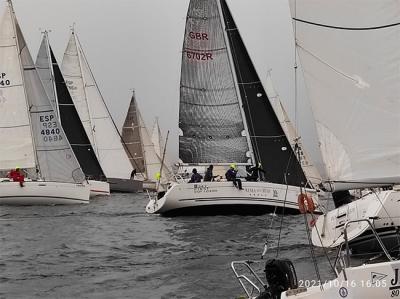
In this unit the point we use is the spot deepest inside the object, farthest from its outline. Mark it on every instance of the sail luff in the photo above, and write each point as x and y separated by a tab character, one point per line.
15	122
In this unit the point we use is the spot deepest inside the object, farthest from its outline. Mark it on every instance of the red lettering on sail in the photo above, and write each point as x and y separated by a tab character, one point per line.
198	35
199	55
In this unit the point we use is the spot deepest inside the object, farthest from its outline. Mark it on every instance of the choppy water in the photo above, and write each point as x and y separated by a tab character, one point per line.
112	249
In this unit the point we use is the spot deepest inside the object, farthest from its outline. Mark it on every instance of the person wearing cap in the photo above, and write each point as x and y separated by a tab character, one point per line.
17	176
196	177
230	175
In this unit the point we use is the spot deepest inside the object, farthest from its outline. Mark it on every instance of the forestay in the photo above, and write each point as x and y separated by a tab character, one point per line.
93	112
56	159
351	68
209	113
15	132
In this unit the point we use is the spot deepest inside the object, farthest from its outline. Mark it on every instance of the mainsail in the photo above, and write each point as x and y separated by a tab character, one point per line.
270	145
156	138
55	158
210	116
94	113
51	76
17	148
131	137
351	69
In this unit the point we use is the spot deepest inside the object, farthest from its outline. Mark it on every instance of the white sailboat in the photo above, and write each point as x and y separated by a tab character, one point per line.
142	151
354	87
96	119
57	91
226	117
31	135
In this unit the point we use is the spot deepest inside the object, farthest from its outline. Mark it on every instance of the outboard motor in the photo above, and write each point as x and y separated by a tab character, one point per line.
281	276
341	198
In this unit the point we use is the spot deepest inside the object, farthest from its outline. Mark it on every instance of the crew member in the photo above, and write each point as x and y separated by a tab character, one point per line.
230	175
196	177
17	176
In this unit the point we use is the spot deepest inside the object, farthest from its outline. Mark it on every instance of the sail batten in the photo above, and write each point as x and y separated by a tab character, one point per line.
353	84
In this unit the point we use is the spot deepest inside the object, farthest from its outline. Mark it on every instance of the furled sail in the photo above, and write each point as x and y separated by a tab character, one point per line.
17	148
209	112
131	138
56	159
94	113
351	69
270	145
51	76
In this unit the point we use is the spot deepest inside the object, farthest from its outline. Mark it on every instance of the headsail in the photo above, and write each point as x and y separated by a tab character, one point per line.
131	138
17	148
351	69
94	113
270	145
51	76
156	138
209	113
56	159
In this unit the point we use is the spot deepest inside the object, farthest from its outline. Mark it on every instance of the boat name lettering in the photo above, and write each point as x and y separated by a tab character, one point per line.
198	35
257	190
3	81
49	129
199	56
203	189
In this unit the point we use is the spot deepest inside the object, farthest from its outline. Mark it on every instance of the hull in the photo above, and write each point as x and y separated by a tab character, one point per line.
211	198
382	206
43	193
149	185
372	281
98	188
125	185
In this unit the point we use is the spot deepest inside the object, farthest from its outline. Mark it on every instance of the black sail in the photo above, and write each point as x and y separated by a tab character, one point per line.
73	127
270	145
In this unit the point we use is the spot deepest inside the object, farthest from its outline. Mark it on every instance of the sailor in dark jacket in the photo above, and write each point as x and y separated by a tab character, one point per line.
230	175
208	177
196	177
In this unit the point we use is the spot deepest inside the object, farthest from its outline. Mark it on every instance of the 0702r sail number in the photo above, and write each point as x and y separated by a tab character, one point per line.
199	56
4	82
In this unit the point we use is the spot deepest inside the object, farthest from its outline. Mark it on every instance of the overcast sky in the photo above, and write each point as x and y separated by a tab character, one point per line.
138	44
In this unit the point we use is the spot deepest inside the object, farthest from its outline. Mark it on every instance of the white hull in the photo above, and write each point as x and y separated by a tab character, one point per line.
224	197
43	193
98	188
374	281
373	206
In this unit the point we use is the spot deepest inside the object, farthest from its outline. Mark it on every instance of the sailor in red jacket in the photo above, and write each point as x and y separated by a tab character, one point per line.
17	176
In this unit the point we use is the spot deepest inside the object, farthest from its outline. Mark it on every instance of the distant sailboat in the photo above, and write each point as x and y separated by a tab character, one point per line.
96	119
58	93
32	137
141	150
226	117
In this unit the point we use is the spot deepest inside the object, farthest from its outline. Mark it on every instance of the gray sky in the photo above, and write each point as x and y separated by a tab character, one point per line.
138	43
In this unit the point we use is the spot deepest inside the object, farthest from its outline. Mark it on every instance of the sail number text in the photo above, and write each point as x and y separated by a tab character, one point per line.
198	55
49	129
3	80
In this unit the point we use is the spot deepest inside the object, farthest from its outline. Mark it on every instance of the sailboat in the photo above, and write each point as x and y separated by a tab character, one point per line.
96	119
156	138
353	87
226	117
58	93
142	151
32	137
350	65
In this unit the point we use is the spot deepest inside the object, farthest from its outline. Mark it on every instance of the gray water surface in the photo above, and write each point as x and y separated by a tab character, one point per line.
111	248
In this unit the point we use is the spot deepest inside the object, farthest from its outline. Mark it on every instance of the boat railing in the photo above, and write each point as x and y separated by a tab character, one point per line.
253	287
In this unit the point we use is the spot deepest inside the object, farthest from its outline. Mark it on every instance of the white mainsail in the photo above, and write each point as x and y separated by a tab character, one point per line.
55	158
17	148
156	138
309	169
351	69
93	112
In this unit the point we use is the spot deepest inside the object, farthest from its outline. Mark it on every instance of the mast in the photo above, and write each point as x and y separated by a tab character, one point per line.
232	66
